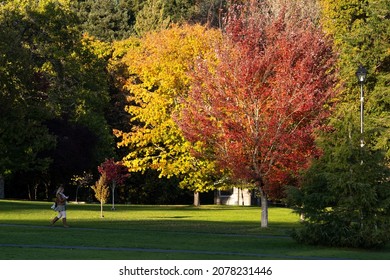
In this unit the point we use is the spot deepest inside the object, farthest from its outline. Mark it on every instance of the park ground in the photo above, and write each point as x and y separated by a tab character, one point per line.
146	232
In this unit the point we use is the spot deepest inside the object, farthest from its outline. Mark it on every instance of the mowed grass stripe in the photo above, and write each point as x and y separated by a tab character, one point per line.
176	230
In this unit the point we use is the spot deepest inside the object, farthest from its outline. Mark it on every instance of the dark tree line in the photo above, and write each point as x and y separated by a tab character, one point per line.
58	102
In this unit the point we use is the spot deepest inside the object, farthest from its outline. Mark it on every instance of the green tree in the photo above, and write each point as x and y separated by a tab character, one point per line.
153	16
22	98
107	20
361	32
69	67
53	73
345	196
159	14
208	12
81	181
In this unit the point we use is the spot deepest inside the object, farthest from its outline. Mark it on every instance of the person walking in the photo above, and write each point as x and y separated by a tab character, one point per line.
61	200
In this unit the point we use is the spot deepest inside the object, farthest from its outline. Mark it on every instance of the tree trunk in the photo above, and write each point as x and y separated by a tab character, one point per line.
196	199
2	189
46	191
264	209
77	193
36	192
217	197
113	195
101	209
29	192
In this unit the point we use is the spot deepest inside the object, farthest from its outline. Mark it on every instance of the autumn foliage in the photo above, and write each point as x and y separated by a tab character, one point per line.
102	191
114	173
258	106
158	64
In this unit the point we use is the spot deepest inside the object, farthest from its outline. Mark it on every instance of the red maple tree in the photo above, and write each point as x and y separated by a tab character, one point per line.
257	107
115	174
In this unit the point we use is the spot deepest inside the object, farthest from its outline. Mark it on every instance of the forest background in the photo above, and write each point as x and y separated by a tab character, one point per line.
74	76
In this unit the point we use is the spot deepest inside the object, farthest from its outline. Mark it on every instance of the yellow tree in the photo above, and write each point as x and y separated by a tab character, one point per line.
102	191
157	67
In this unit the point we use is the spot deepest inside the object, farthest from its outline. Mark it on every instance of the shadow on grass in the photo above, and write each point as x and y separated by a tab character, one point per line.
117	243
210	218
208	231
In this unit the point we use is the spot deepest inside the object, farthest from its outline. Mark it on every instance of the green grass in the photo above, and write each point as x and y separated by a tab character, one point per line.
157	232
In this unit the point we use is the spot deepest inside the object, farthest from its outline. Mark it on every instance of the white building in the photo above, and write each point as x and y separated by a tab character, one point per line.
233	196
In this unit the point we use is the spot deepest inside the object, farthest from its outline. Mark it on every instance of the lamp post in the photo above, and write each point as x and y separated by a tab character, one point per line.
361	75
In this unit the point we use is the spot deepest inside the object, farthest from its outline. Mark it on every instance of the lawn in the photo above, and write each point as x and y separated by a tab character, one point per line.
157	232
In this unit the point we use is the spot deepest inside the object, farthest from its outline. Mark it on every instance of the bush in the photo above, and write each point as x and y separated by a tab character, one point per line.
345	199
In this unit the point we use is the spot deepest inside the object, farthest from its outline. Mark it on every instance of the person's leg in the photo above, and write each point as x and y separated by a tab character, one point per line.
63	213
56	218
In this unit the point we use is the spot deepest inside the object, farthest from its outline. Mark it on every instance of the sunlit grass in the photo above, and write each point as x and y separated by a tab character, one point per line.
184	232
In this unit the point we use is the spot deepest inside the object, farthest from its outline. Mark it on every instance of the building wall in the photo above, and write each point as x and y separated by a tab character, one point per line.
235	197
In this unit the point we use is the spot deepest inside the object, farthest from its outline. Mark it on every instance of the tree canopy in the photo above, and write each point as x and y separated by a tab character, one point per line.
345	194
257	106
361	33
50	72
157	68
199	92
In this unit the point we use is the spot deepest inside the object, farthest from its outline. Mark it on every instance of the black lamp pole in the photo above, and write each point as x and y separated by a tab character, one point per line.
361	74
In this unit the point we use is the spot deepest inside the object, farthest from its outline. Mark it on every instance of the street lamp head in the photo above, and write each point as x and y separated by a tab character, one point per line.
361	74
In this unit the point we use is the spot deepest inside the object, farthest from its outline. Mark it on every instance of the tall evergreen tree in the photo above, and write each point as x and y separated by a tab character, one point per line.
153	16
158	14
345	196
361	32
107	20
